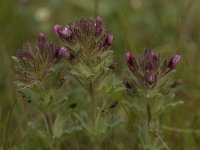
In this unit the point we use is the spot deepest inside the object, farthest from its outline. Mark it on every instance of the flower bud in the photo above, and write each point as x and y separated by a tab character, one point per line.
58	29
42	38
61	51
173	60
98	21
108	40
98	32
150	78
66	32
129	58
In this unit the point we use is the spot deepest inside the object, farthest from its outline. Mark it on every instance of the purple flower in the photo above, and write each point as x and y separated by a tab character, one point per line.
150	78
173	60
58	29
129	58
108	40
149	69
98	31
38	58
99	21
66	32
42	39
88	34
60	52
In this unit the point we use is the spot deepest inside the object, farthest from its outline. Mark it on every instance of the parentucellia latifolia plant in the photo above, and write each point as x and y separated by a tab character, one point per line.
85	56
87	43
149	93
40	80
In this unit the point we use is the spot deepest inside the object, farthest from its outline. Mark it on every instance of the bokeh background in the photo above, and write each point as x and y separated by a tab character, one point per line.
168	27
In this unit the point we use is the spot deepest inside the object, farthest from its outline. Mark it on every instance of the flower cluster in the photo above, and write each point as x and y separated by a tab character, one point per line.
85	35
148	68
87	42
37	65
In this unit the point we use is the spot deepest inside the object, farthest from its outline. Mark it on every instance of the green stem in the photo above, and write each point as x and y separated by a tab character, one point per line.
93	112
180	130
96	7
163	142
149	117
93	105
48	124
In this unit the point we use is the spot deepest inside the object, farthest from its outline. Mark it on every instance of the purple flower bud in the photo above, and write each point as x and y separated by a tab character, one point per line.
150	78
98	21
58	29
98	32
108	40
129	58
60	52
42	38
153	56
173	60
66	32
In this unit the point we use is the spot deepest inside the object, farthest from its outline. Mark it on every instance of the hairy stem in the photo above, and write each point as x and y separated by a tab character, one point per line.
48	124
163	142
93	112
93	105
149	118
180	130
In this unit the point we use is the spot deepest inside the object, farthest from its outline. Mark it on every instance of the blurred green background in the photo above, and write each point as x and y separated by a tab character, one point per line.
169	27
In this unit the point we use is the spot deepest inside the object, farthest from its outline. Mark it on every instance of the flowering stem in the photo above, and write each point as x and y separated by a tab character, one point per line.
93	104
93	112
149	118
96	7
48	124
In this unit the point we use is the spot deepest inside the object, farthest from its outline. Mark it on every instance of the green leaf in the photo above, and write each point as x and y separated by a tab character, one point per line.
58	126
